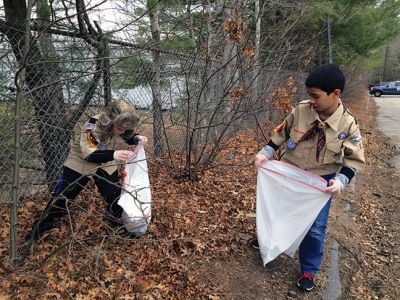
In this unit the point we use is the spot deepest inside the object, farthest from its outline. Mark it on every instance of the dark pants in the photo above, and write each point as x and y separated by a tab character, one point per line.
312	246
70	185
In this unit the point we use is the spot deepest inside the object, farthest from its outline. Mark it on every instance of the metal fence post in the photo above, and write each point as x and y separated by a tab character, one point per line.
20	82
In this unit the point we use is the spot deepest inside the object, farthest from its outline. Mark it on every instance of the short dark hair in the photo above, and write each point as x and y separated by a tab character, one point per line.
326	77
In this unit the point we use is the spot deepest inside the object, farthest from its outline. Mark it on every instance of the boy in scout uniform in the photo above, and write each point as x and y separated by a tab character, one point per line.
94	153
321	136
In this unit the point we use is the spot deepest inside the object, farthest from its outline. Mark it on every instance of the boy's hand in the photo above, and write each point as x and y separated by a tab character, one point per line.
259	159
142	139
122	155
335	187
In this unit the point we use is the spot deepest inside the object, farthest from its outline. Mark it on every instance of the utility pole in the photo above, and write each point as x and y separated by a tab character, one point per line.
385	61
328	23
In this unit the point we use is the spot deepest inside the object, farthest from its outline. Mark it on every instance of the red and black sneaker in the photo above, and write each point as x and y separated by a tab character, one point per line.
306	282
254	243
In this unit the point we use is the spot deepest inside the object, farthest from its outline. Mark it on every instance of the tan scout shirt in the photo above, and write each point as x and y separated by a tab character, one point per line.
82	146
343	140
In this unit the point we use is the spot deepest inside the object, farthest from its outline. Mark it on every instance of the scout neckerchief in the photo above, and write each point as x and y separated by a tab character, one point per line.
318	129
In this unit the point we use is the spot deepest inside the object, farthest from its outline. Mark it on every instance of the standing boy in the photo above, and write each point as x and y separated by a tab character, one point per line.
321	136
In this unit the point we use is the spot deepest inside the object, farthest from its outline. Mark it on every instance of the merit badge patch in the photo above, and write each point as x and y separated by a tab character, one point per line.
279	128
290	144
342	136
356	139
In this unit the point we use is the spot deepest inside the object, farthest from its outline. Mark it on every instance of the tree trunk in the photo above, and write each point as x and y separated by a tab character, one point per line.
47	96
156	82
42	74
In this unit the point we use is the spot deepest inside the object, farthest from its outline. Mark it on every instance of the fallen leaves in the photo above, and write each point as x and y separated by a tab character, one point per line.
193	223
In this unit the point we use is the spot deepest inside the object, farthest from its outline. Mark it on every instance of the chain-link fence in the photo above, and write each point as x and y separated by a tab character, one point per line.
191	102
67	82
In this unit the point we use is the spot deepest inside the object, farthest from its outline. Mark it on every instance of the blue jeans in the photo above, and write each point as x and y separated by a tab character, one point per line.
312	246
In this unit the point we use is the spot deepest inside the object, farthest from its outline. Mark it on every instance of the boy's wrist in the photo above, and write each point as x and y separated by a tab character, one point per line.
343	180
273	145
267	151
348	172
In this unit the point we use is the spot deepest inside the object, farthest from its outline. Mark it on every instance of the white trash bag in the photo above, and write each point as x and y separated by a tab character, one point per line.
289	200
136	196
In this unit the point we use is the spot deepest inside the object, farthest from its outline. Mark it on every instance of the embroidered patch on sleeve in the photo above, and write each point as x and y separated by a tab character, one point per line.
356	139
91	139
279	128
90	126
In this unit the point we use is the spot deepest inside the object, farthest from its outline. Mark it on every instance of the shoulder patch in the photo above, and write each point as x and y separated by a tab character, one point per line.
355	139
91	124
91	139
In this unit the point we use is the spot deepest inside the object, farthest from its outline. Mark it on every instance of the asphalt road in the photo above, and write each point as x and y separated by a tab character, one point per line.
388	119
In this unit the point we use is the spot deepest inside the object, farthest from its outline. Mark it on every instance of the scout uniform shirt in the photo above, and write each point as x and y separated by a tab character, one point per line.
85	142
343	146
